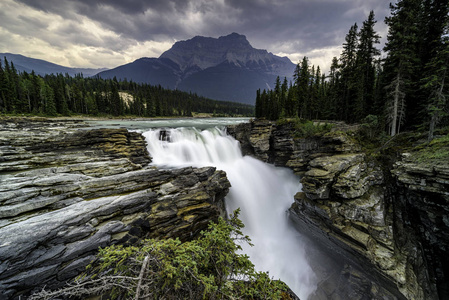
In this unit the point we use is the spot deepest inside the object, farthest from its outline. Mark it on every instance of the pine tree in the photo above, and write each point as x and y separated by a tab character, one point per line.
434	52
365	68
331	105
315	97
436	84
283	98
401	62
258	105
348	74
275	102
10	90
290	106
302	80
48	98
116	101
3	89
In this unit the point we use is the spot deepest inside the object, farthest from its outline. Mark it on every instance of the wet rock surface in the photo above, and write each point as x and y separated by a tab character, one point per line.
65	191
386	228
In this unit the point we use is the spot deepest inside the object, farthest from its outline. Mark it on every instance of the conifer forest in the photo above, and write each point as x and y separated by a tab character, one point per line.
52	95
405	88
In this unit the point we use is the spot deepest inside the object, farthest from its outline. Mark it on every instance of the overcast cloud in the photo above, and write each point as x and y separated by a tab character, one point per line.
108	33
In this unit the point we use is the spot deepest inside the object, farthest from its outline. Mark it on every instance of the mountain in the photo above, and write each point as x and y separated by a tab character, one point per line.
225	68
42	67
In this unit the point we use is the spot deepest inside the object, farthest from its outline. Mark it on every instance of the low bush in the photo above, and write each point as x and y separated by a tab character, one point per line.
209	267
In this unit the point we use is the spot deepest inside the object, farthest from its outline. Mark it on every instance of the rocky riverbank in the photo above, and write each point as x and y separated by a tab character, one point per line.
385	225
66	190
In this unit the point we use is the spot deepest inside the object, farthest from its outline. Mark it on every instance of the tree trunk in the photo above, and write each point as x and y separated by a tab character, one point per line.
436	113
395	106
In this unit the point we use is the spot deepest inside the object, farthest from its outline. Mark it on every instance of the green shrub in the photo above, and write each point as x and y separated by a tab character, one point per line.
206	268
305	128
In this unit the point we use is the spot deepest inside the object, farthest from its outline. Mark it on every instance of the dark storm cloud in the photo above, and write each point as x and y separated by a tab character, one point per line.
314	23
287	26
311	23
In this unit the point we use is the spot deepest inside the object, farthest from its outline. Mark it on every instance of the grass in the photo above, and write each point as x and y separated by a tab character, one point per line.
305	128
436	151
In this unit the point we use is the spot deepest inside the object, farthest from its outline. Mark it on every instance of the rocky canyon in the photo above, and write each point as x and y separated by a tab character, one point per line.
377	223
382	217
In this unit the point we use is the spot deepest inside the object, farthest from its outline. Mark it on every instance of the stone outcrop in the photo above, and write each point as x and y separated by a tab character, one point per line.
386	228
65	191
422	199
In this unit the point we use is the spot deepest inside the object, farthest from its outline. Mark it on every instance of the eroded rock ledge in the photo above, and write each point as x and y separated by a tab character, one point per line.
387	228
66	191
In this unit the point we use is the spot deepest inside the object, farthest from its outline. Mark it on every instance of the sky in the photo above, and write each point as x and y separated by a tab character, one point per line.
109	33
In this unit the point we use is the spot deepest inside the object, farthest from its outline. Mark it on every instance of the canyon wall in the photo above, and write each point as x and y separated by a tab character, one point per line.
380	224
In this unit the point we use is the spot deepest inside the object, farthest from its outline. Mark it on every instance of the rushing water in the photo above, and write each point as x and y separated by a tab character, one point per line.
263	192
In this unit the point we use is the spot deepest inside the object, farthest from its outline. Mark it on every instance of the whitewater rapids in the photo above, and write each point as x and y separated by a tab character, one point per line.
263	192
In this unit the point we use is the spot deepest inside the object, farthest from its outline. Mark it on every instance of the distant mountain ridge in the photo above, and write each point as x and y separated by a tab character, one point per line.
225	68
42	67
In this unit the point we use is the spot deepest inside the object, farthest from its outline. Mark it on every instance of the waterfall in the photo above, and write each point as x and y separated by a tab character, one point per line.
262	191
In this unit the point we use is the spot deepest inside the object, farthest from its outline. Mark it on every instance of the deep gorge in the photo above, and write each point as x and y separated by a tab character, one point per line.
384	221
379	229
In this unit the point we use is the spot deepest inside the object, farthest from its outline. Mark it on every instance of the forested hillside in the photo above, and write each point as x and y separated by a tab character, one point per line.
405	89
51	95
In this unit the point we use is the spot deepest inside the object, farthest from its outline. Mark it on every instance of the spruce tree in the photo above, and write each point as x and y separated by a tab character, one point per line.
348	74
259	106
434	51
365	68
436	83
290	106
331	107
401	63
283	98
302	80
3	89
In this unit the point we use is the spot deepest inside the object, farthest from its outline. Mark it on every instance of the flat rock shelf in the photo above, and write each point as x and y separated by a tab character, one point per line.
66	190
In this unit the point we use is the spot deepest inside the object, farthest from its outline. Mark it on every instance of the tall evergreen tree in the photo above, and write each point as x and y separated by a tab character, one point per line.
302	80
401	62
283	98
348	73
365	67
116	101
259	105
3	89
290	106
436	83
331	107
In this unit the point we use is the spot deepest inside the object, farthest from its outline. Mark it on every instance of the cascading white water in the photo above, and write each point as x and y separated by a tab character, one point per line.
263	192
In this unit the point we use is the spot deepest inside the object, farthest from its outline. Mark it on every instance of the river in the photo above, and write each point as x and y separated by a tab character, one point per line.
263	192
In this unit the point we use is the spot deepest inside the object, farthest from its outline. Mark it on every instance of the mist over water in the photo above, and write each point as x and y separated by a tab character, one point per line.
262	191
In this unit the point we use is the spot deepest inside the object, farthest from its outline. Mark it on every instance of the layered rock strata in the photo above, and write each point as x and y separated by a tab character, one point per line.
64	192
422	198
386	228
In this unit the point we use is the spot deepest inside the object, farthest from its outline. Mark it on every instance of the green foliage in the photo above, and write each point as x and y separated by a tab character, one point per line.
370	127
405	90
305	128
209	267
433	152
64	95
